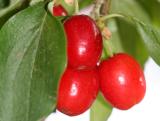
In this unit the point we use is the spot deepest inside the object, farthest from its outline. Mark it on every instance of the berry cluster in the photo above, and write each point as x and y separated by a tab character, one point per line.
119	78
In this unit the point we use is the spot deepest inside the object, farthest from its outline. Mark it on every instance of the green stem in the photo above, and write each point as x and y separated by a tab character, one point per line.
57	2
76	6
111	16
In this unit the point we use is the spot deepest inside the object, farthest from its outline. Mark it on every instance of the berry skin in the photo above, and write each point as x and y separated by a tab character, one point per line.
77	91
58	10
122	81
84	42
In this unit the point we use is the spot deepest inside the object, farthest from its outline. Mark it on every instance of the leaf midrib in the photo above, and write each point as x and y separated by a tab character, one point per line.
40	33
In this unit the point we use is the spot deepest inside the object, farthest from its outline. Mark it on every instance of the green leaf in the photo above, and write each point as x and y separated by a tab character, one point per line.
9	11
151	7
115	40
100	110
4	3
33	58
151	37
129	38
129	7
131	41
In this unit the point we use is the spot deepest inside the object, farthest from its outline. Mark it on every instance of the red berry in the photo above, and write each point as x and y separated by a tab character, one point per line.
58	10
77	91
122	81
84	42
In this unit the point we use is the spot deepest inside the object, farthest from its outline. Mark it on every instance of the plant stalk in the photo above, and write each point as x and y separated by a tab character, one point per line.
103	18
105	7
76	6
96	10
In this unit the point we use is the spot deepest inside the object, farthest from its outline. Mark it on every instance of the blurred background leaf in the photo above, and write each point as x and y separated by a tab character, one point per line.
100	110
4	3
151	37
115	38
152	8
131	41
127	36
129	7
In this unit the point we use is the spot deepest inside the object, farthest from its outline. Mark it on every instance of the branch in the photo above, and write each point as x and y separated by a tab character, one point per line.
105	7
101	7
96	10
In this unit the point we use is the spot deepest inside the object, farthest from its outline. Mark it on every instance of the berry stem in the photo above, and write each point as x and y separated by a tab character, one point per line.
111	16
76	6
56	2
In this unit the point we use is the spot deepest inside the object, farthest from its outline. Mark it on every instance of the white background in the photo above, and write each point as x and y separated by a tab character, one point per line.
147	110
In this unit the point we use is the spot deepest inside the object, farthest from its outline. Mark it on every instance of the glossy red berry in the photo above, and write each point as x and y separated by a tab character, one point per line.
58	10
122	81
77	91
84	42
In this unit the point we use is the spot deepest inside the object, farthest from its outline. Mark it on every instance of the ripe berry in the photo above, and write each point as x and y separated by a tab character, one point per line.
58	10
77	91
122	81
84	42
